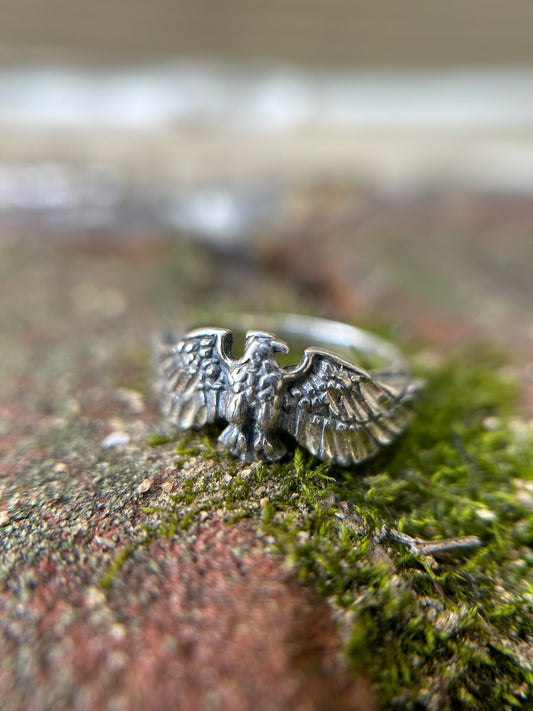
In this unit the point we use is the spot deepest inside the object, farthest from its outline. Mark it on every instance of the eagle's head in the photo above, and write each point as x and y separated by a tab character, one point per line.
261	346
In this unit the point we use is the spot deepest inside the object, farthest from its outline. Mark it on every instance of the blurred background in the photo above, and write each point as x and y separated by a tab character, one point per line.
346	158
167	94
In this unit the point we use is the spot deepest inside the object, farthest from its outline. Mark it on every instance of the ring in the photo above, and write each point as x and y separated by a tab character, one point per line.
326	402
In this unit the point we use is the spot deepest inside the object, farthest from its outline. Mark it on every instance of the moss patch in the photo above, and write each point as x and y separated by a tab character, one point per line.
456	631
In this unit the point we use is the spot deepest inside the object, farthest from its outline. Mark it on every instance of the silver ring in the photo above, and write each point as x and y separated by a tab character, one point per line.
331	406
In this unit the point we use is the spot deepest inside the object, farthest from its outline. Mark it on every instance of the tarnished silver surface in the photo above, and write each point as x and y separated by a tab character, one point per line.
335	409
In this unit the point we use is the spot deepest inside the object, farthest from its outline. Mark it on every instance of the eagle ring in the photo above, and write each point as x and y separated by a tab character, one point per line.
331	406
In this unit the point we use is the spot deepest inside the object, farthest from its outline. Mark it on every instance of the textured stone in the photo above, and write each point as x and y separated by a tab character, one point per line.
212	621
208	619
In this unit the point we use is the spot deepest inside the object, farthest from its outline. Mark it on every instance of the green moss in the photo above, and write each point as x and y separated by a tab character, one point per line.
107	579
446	633
157	440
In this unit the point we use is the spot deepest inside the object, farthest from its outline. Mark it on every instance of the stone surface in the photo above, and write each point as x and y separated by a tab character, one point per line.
208	617
211	621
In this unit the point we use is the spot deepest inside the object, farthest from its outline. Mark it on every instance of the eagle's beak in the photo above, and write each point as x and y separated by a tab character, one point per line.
280	347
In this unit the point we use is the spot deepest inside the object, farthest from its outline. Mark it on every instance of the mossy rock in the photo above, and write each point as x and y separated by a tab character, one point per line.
449	631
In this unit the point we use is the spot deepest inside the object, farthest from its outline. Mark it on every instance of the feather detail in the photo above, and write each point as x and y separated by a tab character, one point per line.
192	376
340	412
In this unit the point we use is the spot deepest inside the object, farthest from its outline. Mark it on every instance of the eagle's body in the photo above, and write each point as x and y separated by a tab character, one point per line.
253	406
332	407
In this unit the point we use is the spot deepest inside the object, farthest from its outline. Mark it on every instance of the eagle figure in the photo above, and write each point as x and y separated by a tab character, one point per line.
335	409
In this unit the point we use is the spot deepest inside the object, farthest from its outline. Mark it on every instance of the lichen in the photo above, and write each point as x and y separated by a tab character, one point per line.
452	632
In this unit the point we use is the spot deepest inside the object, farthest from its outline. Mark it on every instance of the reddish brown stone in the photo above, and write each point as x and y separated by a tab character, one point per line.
211	623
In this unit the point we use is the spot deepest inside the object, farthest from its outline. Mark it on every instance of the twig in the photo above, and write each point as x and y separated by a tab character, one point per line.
420	545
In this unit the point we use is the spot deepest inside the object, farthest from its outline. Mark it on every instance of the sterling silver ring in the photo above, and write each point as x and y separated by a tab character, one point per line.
330	405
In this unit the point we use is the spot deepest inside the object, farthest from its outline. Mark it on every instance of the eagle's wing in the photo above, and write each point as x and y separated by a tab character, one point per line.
192	376
341	412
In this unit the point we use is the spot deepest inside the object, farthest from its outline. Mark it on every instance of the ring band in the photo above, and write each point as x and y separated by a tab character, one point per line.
330	405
